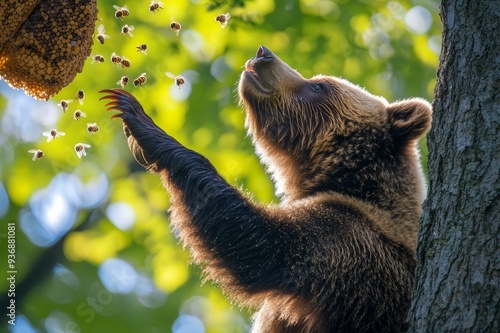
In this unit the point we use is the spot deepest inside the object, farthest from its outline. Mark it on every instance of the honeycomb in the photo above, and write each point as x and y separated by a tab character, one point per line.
44	43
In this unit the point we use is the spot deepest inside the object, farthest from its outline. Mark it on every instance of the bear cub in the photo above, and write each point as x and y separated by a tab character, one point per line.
336	254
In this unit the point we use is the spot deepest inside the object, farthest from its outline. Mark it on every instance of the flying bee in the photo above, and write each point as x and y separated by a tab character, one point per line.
97	58
80	95
142	48
125	63
37	154
175	26
100	34
223	18
80	149
121	12
179	79
140	80
52	134
115	59
78	114
127	29
123	81
92	128
64	104
155	5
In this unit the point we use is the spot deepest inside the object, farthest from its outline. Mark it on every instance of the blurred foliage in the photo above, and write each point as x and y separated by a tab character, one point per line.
94	250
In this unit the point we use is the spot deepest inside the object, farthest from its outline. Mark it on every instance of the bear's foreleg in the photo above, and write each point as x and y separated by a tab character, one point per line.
242	247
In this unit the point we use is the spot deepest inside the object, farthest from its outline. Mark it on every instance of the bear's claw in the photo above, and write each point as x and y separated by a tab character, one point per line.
136	124
121	101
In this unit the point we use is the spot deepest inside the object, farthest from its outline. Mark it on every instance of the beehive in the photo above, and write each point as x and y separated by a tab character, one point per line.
44	43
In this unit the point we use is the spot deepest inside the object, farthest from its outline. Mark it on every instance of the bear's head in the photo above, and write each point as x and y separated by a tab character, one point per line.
326	134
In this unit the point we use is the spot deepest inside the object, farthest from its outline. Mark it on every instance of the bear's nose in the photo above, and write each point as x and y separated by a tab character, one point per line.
263	52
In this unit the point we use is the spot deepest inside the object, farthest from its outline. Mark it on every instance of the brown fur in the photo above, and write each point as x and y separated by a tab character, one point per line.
336	255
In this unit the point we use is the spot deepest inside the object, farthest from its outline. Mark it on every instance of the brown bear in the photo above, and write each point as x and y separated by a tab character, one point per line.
336	255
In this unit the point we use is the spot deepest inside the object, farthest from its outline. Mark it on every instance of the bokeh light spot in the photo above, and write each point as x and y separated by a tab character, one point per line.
118	276
121	215
418	20
188	324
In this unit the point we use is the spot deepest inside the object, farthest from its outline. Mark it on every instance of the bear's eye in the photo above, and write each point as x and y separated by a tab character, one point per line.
318	87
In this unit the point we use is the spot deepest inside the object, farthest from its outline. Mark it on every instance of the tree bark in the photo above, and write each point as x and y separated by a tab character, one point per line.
458	270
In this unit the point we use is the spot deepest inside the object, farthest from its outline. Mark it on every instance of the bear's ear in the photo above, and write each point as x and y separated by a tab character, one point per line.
409	119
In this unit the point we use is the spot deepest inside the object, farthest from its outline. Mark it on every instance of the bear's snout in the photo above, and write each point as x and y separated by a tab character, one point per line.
264	52
266	75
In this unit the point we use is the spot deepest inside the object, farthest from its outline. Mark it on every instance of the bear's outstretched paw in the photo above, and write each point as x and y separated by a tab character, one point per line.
136	123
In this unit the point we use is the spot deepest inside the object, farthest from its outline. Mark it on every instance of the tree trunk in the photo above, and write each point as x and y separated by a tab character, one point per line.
458	270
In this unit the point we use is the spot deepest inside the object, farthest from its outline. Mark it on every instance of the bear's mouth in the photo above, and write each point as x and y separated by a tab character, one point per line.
250	69
256	70
254	77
